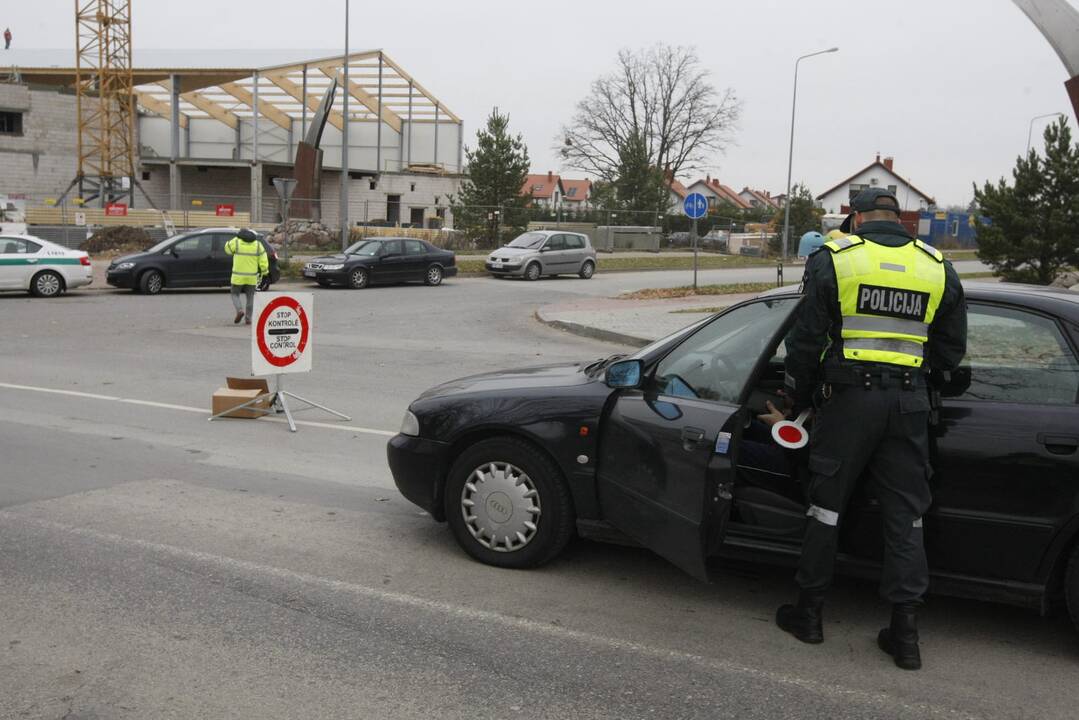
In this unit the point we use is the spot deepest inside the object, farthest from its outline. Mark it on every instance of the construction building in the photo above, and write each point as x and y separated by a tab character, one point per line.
214	128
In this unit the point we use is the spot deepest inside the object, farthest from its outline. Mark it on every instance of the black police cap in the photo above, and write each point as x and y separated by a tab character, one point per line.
870	199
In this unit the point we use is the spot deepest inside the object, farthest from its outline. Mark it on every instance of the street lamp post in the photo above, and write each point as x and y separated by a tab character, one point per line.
345	235
790	154
1030	131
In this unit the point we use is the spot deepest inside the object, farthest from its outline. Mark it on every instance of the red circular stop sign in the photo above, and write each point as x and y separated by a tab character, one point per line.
282	331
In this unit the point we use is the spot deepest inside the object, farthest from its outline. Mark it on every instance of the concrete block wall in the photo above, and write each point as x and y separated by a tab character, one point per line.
419	191
43	160
230	185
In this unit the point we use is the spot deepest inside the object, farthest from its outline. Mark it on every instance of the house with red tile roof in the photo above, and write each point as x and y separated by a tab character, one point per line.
677	193
546	190
576	194
718	194
758	198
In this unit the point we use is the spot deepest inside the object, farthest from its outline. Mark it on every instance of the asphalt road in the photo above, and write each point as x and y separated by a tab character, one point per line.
153	564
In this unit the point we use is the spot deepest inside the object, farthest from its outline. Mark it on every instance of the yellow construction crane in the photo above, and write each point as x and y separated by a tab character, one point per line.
104	92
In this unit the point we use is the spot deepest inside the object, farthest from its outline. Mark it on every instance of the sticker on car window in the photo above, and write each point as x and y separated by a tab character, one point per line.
723	443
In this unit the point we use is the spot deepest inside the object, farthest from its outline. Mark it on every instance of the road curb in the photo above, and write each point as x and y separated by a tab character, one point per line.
588	331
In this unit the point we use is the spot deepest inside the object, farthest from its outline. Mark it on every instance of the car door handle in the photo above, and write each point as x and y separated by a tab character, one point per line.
691	437
1059	444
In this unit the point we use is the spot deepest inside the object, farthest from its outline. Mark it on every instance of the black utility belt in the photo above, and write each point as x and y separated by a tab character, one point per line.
871	377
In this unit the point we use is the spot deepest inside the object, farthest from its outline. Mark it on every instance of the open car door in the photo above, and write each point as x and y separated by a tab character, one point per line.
667	448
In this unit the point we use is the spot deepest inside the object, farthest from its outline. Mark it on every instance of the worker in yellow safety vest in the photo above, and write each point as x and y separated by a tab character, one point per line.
249	264
881	310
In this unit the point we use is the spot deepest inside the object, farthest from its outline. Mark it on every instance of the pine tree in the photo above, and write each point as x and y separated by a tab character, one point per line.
805	217
639	186
1032	236
497	170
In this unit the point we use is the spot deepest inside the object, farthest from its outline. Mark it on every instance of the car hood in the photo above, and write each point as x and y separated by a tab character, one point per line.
513	252
543	376
327	259
132	257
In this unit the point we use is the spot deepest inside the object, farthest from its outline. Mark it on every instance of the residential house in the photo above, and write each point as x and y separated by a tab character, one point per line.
577	195
758	198
677	194
546	190
879	173
718	195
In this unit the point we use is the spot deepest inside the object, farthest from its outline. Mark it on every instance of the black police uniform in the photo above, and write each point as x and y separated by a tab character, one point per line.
868	416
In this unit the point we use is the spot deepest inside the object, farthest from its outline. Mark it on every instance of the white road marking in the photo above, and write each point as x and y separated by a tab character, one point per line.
880	700
188	408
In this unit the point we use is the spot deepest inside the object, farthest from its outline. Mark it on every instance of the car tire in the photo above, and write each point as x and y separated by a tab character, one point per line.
433	276
46	284
323	283
151	282
357	279
587	270
533	271
1071	587
524	518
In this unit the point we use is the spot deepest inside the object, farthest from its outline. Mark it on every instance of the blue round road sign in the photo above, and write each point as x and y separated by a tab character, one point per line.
695	205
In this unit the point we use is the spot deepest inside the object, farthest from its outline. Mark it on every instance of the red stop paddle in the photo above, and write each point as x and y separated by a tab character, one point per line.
791	434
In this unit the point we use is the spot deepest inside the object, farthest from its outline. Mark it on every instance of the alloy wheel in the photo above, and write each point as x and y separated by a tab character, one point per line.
47	284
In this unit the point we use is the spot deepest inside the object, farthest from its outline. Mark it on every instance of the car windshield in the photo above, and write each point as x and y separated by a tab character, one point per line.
364	247
528	240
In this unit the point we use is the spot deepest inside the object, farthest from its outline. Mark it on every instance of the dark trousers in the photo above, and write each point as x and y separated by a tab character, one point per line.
246	290
884	430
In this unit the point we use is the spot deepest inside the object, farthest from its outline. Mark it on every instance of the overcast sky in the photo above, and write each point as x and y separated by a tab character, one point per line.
947	87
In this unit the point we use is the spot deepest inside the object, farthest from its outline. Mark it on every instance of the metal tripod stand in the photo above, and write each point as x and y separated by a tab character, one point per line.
279	404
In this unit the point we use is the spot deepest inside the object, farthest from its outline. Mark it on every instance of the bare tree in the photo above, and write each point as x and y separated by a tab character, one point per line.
661	95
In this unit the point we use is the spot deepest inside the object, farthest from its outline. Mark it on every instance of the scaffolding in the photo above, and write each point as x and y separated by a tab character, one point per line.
104	91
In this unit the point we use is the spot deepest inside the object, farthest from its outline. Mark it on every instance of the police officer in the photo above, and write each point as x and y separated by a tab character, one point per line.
881	310
249	263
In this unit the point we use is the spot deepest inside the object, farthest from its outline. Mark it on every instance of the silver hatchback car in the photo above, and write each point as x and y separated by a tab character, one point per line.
544	252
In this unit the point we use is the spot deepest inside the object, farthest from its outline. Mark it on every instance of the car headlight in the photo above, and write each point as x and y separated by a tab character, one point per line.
410	425
125	266
333	267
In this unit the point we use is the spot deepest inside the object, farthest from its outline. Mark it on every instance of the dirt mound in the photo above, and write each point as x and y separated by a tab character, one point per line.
121	238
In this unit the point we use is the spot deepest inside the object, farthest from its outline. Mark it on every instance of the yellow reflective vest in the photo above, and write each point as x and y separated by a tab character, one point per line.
888	297
249	261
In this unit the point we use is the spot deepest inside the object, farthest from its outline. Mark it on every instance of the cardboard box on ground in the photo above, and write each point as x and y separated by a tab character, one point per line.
239	391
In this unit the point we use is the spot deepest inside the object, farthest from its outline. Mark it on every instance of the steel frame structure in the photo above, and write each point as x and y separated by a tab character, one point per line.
105	98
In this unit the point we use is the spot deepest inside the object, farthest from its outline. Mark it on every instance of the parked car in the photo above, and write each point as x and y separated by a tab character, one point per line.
383	260
544	252
646	447
194	259
42	268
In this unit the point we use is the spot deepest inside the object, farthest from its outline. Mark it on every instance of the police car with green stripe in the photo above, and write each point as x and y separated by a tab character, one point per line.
43	268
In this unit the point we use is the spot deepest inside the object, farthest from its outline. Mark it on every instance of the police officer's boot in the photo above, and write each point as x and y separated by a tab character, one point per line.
900	639
803	620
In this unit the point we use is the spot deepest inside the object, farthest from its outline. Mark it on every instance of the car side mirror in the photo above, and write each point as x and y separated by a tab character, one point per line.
172	251
625	374
544	249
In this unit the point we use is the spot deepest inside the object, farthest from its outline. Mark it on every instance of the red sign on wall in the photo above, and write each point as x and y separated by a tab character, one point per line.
116	209
226	210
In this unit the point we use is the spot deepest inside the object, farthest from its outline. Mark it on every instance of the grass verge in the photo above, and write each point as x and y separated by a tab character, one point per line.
688	291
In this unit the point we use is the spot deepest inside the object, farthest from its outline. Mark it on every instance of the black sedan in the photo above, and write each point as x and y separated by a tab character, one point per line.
195	259
383	261
647	448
